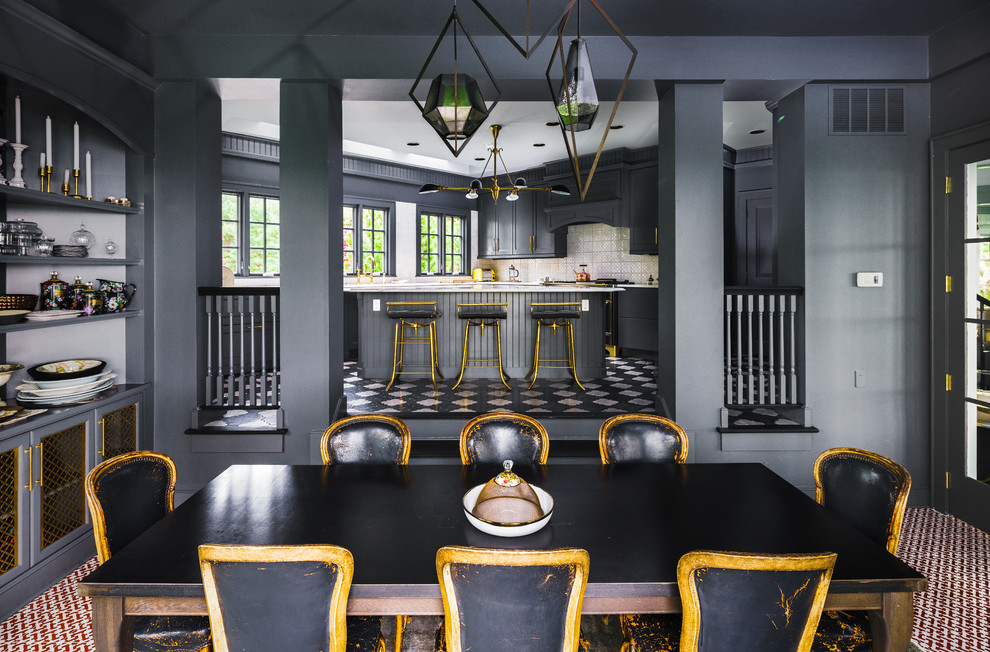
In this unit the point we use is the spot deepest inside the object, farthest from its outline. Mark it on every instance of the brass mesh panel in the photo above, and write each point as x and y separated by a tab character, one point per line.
8	510
63	469
120	431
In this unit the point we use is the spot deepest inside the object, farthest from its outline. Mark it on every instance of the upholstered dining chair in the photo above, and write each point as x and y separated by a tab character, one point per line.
366	439
498	436
641	438
263	598
126	495
870	492
745	602
496	599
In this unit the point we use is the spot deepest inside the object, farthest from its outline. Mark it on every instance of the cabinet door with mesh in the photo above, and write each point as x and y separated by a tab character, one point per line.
118	431
15	487
59	496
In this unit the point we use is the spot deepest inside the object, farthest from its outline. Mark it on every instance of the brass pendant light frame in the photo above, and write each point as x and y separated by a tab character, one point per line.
571	142
526	51
454	18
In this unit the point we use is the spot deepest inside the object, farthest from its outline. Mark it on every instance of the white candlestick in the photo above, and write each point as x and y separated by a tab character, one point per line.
42	160
48	139
17	119
89	178
65	179
75	146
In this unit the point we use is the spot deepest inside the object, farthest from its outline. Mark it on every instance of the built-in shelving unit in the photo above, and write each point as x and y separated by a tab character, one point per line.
29	196
56	261
88	319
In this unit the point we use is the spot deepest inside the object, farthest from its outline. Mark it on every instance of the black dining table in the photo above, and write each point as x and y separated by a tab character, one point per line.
635	521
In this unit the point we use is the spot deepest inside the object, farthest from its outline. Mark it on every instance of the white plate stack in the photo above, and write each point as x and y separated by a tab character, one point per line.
59	392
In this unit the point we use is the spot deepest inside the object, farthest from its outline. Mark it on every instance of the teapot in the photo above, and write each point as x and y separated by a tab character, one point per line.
582	276
115	295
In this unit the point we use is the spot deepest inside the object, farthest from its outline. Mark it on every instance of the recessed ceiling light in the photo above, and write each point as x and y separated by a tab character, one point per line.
757	132
412	144
539	144
616	126
552	124
479	158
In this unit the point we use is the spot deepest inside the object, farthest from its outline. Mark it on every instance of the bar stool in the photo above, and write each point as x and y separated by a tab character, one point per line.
555	315
414	315
481	315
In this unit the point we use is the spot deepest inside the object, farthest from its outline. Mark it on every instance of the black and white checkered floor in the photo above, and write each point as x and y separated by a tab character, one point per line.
629	386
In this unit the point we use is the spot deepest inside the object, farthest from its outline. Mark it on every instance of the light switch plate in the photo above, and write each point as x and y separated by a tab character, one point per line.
376	305
585	306
869	279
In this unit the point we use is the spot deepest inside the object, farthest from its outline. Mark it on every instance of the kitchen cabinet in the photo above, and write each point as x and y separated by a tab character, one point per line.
638	321
117	428
518	229
642	207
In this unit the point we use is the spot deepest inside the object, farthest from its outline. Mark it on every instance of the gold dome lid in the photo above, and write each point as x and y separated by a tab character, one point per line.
508	499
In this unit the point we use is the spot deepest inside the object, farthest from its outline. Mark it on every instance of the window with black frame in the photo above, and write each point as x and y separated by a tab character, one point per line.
366	236
250	233
442	243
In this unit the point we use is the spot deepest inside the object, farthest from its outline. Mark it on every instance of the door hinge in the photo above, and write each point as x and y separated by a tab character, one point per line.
948	283
948	382
948	480
948	185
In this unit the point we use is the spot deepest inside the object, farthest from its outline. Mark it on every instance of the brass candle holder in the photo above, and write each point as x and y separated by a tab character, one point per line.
75	177
65	190
46	178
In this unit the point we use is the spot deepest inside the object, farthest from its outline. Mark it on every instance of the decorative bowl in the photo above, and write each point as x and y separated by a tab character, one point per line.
11	316
65	369
18	301
507	529
6	370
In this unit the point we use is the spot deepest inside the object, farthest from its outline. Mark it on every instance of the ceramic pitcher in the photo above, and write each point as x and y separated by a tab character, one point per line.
116	295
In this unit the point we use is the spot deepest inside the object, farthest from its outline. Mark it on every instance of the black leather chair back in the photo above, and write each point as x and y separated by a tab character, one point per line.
499	436
751	603
264	598
865	489
641	438
366	439
126	495
510	600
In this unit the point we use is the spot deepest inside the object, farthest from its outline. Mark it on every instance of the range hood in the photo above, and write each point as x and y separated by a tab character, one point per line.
607	211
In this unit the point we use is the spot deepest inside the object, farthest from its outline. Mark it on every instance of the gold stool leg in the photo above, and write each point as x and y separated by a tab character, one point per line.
400	628
498	340
536	355
434	371
396	360
467	328
436	349
570	353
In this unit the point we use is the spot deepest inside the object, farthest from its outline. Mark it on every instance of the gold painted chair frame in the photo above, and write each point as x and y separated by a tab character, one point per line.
329	554
692	561
385	419
482	322
577	558
667	424
554	323
474	424
400	341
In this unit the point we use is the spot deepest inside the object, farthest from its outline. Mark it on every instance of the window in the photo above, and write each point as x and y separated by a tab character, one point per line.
366	238
441	243
250	233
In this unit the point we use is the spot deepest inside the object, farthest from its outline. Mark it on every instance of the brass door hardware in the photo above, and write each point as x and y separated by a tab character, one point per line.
29	451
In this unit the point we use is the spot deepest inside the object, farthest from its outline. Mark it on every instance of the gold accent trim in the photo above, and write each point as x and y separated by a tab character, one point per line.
30	453
575	557
103	437
698	559
367	418
948	382
948	480
93	501
41	464
467	432
661	422
948	283
898	471
329	554
948	185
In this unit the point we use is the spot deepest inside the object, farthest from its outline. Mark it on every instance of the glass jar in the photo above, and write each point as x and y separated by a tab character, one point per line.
92	300
75	300
82	238
54	294
44	246
25	236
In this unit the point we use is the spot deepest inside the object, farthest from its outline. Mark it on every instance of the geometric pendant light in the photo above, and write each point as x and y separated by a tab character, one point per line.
454	106
574	95
527	49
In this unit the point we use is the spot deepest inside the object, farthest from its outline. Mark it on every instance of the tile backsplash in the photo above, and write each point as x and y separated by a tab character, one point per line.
603	248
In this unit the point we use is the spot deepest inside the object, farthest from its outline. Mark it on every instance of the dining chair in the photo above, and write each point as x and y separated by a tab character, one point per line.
498	436
126	495
745	602
870	492
497	599
263	598
368	439
641	438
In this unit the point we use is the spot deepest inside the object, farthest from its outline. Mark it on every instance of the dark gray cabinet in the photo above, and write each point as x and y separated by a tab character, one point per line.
638	321
642	205
517	229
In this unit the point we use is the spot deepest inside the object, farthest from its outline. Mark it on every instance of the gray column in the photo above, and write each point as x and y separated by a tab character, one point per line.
311	178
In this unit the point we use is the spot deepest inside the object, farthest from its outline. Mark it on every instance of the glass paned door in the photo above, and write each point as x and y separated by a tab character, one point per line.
976	209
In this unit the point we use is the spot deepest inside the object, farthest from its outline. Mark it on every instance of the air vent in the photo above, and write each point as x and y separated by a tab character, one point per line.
863	110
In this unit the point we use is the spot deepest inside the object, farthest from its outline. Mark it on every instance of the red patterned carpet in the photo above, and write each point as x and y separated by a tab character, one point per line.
952	616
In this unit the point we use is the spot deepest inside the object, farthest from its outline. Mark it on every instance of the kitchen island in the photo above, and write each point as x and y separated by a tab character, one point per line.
377	331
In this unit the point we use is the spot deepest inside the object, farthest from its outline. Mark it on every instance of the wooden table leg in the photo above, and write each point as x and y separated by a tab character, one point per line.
108	618
892	625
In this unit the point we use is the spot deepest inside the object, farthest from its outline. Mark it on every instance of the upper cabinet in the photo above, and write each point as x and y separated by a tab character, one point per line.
642	205
518	229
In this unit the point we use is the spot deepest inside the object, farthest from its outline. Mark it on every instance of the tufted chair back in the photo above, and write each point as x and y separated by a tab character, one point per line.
865	489
642	438
499	436
366	439
126	495
511	599
749	602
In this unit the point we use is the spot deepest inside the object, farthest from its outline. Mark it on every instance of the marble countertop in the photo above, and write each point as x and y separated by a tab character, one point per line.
398	286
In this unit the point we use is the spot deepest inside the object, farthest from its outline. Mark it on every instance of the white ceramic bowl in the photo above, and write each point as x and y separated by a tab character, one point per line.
515	530
6	370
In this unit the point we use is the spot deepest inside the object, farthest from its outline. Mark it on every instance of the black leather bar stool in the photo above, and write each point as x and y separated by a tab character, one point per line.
481	315
554	316
414	315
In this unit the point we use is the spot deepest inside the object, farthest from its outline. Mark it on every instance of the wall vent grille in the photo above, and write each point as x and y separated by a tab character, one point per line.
866	110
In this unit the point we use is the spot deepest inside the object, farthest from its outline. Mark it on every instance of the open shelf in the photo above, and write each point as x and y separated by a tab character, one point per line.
28	196
57	261
82	319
